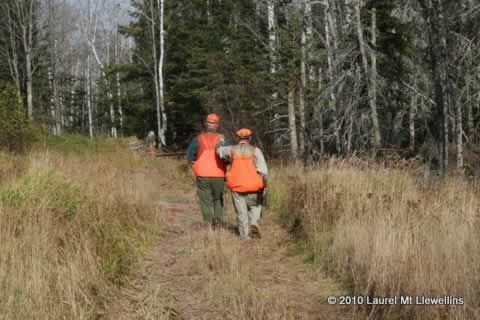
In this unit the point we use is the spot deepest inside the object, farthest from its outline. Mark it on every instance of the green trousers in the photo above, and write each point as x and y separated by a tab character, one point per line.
210	193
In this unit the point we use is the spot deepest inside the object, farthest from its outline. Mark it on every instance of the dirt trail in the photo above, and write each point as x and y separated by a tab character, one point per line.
198	273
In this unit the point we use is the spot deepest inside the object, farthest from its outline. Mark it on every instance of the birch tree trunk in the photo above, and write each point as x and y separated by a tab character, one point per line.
309	39
110	94
89	97
117	78
377	141
57	103
24	11
373	81
11	52
156	68
28	59
319	113
73	87
332	74
90	37
272	45
292	121
459	134
272	36
301	93
163	125
51	71
89	82
53	127
411	117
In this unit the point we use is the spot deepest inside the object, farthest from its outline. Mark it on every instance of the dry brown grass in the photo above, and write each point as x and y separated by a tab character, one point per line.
385	233
198	273
72	226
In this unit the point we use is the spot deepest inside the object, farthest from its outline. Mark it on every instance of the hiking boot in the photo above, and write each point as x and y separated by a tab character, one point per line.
255	232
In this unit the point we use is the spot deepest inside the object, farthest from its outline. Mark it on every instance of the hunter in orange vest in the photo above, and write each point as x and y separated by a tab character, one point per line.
246	178
209	170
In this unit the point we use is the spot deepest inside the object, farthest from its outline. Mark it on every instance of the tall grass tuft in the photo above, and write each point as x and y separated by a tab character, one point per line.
71	229
385	233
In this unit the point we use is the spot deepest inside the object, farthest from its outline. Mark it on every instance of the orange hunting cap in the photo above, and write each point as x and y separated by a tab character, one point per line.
244	133
213	118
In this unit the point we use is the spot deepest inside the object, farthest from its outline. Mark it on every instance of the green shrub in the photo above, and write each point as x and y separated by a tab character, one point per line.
15	131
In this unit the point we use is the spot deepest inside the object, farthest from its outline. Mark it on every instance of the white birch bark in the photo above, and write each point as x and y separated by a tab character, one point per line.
24	10
292	121
309	39
89	96
162	116
28	58
90	33
117	78
301	93
73	88
373	81
459	134
411	117
11	52
272	46
113	128
89	82
53	127
332	75
272	36
319	113
57	103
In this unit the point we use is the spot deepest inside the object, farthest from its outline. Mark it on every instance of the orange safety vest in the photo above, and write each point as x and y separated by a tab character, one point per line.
208	163
243	176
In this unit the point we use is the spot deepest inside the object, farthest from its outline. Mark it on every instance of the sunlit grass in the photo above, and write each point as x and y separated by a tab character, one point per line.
385	232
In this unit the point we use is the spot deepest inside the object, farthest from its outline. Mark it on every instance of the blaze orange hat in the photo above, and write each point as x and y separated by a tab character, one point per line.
244	133
213	118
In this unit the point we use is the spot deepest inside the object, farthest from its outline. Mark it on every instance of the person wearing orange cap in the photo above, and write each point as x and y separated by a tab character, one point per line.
209	170
247	179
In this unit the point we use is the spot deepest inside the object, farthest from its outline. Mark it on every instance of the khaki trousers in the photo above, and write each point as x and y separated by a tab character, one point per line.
248	209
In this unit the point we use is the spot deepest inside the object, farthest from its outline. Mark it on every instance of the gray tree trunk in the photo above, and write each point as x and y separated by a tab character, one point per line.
332	70
411	117
319	113
117	78
301	93
292	125
377	140
459	133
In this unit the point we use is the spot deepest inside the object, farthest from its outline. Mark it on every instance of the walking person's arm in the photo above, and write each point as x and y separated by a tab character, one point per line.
192	150
260	163
223	150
